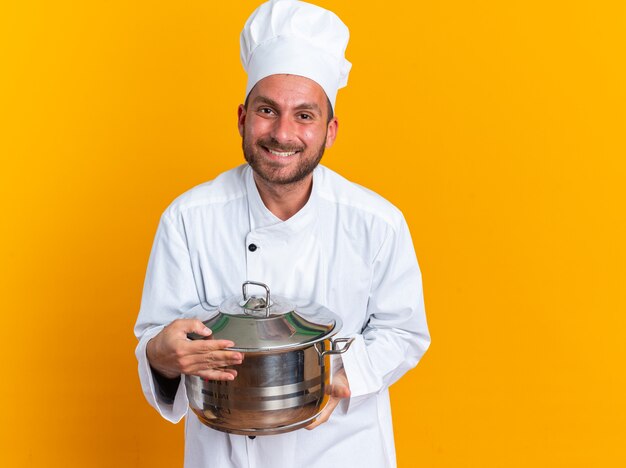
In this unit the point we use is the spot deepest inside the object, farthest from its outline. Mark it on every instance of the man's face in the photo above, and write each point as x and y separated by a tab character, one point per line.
285	128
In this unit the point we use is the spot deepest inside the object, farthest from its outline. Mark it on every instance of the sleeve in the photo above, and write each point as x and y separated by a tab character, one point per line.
396	335
168	294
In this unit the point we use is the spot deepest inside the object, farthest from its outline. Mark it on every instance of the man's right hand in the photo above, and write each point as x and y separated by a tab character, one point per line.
171	353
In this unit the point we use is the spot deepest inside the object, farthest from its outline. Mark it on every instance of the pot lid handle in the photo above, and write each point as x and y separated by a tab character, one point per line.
256	303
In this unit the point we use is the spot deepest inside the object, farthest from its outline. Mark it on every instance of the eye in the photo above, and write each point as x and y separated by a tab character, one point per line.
266	110
304	116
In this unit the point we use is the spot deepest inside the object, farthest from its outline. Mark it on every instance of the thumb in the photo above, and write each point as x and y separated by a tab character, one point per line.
339	391
194	326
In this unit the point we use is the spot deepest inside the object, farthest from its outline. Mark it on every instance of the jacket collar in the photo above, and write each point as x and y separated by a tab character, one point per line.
263	220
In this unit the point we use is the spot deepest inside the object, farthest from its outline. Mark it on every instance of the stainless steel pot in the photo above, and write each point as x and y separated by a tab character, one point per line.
281	384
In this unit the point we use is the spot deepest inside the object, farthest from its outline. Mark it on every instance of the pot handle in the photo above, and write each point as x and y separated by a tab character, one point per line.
336	349
252	303
244	290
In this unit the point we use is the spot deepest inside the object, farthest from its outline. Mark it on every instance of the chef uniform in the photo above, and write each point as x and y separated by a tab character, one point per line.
347	249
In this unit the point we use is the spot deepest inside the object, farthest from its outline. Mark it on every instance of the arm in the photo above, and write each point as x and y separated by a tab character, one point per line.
164	352
396	334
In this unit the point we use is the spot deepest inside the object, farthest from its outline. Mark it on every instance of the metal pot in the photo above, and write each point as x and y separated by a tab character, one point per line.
280	386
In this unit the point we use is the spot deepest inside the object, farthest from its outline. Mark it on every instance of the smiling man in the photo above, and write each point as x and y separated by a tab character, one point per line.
287	221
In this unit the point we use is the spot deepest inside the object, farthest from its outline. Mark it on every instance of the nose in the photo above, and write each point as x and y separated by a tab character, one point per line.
284	130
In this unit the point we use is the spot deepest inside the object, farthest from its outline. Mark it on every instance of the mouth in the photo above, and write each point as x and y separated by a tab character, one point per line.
280	154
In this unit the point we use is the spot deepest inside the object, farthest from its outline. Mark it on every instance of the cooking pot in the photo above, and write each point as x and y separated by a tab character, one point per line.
281	383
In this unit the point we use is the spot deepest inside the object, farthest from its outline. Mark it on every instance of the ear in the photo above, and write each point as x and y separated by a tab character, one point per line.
241	118
331	133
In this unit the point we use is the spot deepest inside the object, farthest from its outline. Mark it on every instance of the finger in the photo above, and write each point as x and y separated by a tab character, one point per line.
192	363
213	360
207	346
318	421
324	415
199	350
184	326
232	372
217	374
210	373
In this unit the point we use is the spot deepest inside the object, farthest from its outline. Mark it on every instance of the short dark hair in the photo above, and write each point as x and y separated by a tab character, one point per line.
331	112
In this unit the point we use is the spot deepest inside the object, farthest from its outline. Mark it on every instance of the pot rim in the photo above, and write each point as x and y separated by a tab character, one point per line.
285	347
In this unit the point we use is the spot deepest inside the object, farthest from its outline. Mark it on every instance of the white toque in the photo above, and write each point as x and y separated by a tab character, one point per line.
296	38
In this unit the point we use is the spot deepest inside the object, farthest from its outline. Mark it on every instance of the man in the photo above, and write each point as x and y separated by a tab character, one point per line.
306	232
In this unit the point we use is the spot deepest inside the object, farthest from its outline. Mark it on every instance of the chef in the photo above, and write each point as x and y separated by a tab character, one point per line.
289	222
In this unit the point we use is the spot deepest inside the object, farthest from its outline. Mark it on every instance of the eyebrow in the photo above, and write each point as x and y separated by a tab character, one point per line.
270	102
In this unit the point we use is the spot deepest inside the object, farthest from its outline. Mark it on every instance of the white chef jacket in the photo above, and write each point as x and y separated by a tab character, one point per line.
347	249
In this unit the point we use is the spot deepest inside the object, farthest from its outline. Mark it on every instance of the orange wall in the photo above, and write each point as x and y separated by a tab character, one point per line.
497	127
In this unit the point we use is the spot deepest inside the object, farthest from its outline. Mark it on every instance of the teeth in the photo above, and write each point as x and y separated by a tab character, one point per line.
282	155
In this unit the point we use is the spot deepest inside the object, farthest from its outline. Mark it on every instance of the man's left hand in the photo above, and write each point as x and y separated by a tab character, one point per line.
338	390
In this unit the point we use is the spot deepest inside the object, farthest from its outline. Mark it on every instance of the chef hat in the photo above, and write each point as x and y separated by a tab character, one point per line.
296	38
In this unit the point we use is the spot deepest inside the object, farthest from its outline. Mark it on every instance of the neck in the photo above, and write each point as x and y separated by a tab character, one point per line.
284	201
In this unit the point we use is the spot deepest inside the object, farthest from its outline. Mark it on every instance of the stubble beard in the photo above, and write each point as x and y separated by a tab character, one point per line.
271	174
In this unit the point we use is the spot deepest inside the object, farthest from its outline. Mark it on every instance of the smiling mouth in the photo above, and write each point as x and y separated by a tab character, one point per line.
280	154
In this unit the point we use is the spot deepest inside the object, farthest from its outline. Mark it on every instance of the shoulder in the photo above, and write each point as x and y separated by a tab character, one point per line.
227	187
349	197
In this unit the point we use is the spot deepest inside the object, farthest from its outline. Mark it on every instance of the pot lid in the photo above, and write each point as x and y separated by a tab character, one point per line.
268	323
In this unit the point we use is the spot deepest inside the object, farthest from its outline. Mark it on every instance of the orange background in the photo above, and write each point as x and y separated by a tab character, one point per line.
497	127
